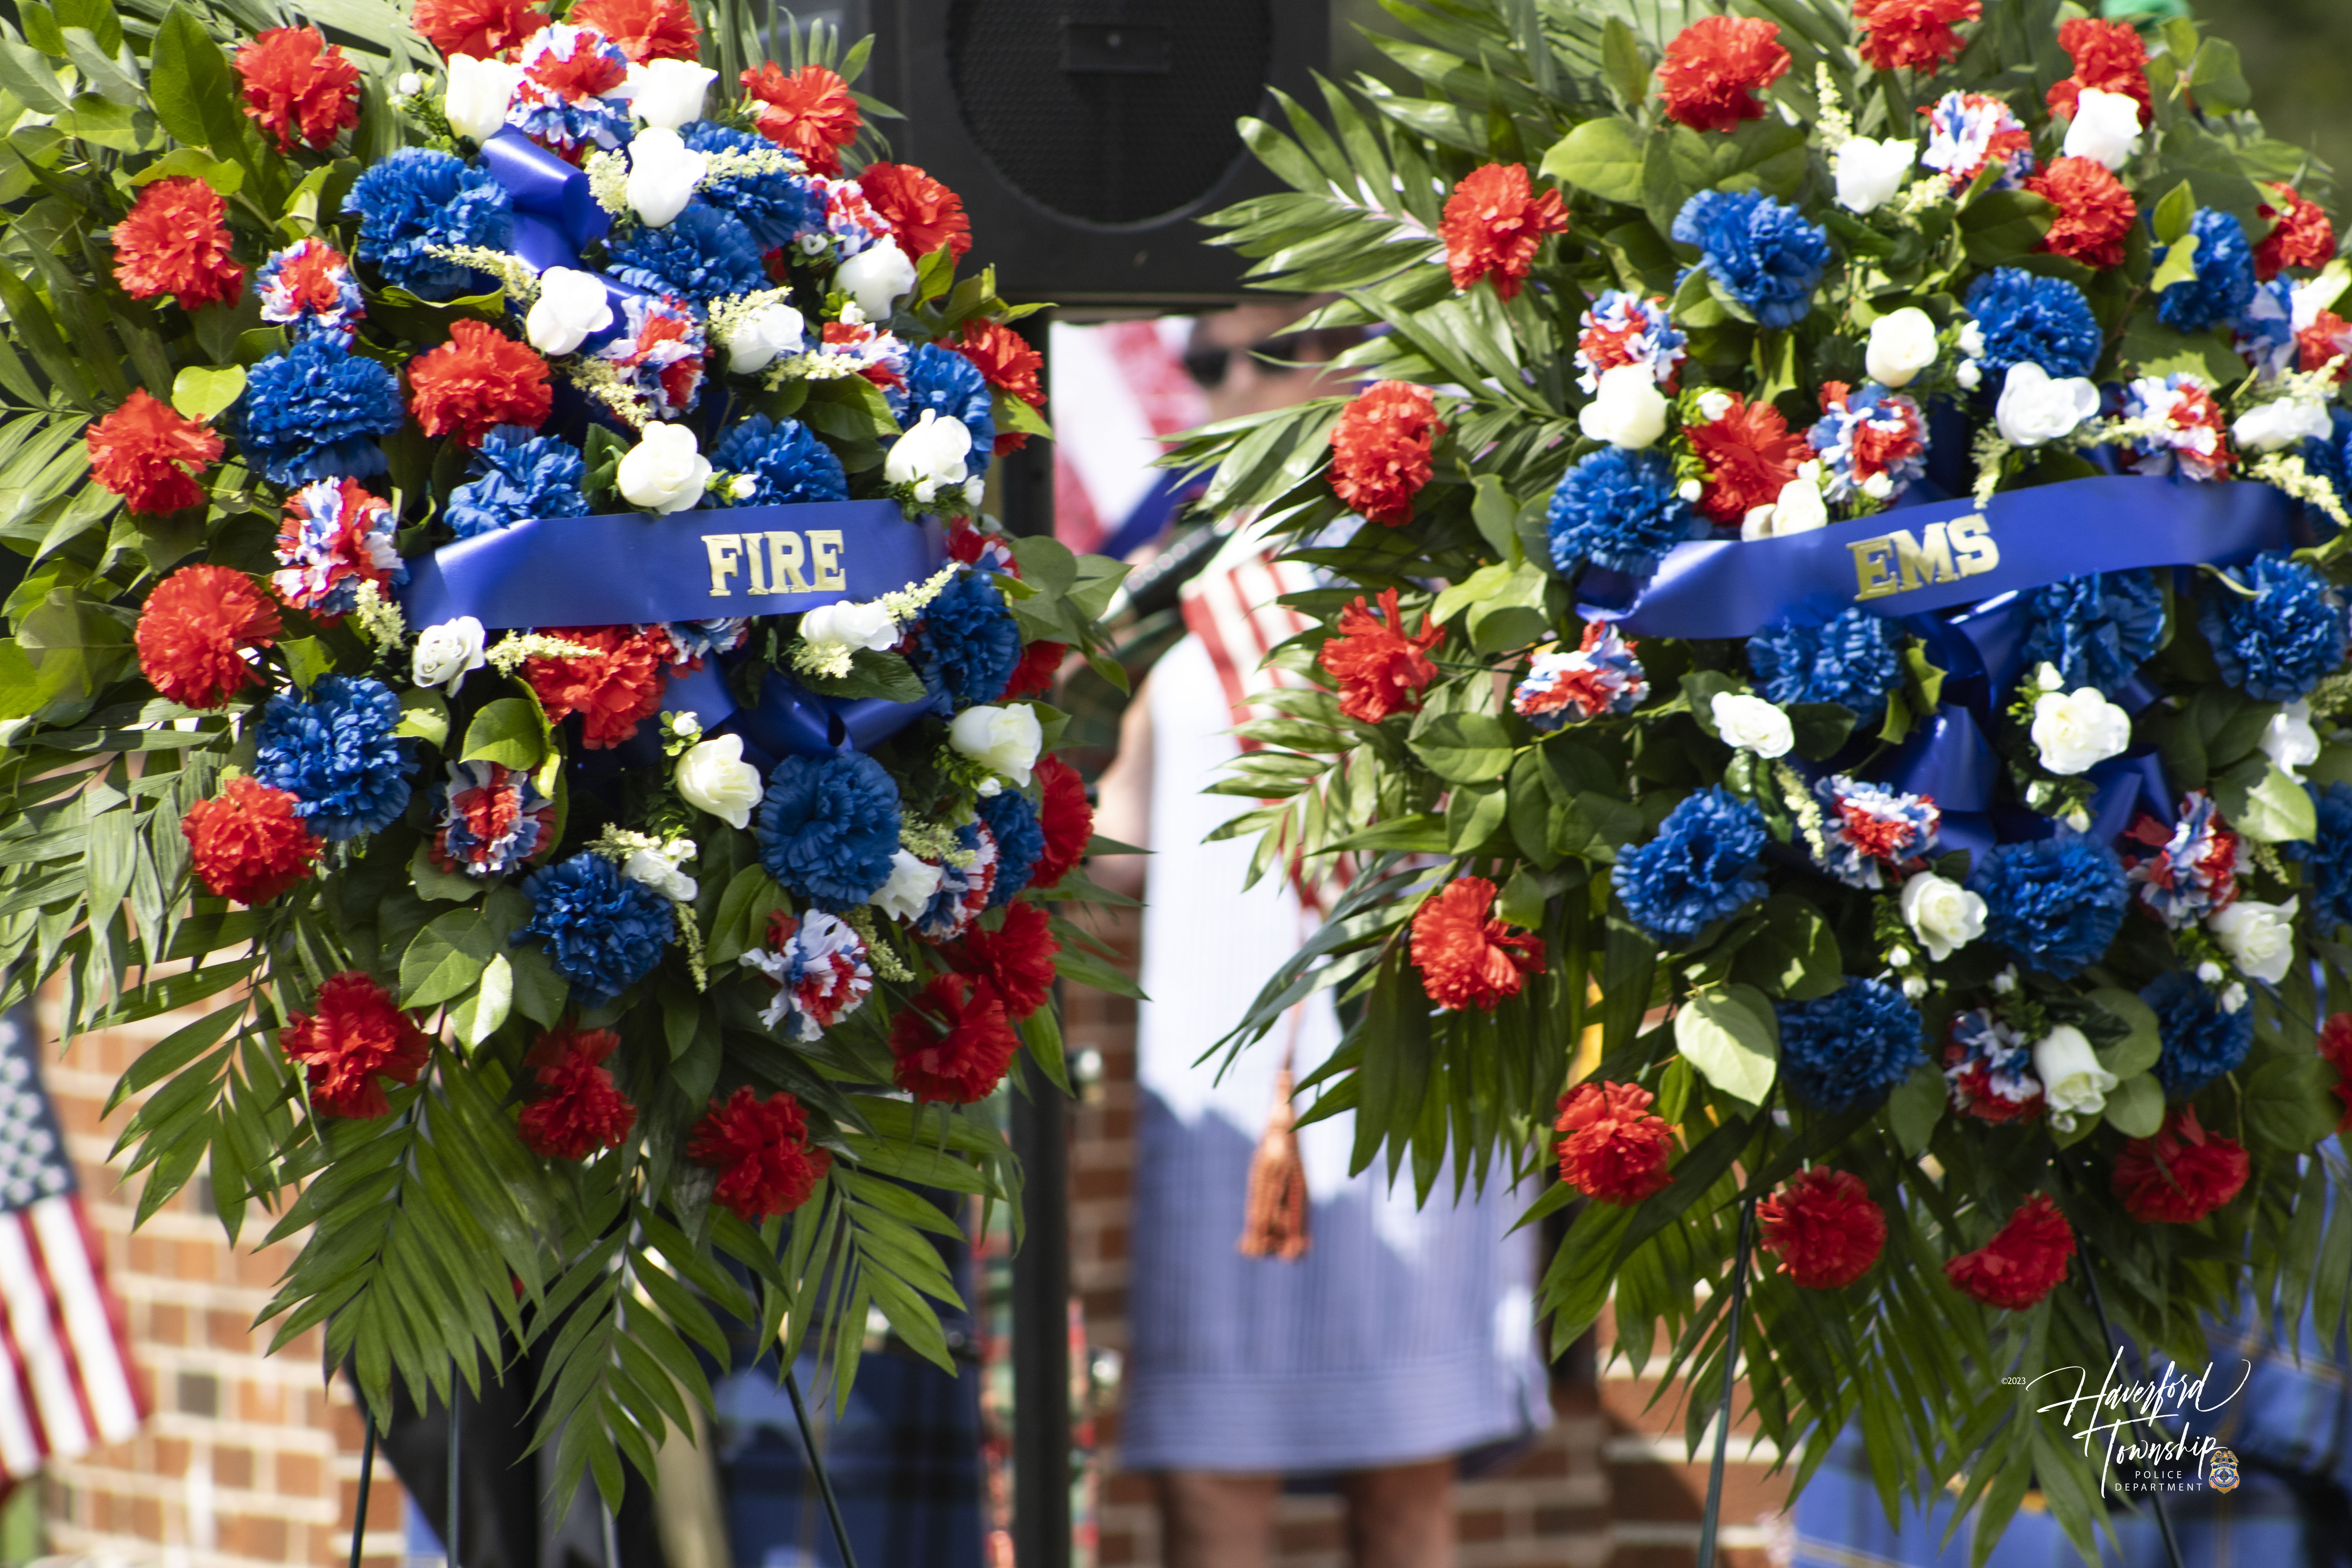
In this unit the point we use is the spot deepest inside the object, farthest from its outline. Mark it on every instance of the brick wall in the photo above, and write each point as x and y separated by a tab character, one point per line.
248	1460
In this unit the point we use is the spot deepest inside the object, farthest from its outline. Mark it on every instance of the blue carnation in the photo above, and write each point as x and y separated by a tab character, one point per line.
1850	659
2224	284
2098	629
1619	508
604	931
785	461
828	827
2201	1041
415	199
777	207
2276	645
2054	902
1020	841
316	412
522	476
1849	1048
1703	865
1762	252
702	254
335	752
944	381
2030	320
969	644
2327	859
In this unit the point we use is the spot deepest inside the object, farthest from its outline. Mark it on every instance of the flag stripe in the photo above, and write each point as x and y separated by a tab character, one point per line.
20	1439
25	1290
105	1380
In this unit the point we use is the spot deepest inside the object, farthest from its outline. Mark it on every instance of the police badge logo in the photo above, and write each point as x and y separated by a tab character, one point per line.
2223	1472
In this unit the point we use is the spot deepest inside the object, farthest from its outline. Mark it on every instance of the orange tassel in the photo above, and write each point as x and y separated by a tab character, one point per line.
1274	1223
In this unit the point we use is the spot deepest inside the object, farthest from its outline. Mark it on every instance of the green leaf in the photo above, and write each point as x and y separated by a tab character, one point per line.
477	1017
1522	903
2135	1105
539	992
882	674
1796	955
2174	213
2151	348
202	392
2277	811
1620	59
2289	1103
306	658
437	885
447	958
1601	156
1914	1108
2179	264
1731	1037
423	716
508	732
1463	748
2002	225
2142	1042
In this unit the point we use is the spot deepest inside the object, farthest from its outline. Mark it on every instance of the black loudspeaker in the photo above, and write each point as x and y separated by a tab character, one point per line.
1087	136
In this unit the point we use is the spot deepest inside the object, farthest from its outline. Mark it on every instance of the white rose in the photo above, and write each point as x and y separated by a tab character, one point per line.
760	337
1971	375
2258	937
1628	411
2290	740
1902	344
851	626
877	278
2106	128
928	456
1869	172
1944	916
909	891
1752	724
1006	739
477	95
667	93
410	84
2072	1082
445	654
2267	426
2232	997
663	174
660	872
1799	509
2033	408
664	471
2072	730
714	777
1714	403
1690	490
571	305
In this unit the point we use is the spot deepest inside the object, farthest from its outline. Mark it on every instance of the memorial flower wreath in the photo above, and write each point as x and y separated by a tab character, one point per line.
507	624
1832	650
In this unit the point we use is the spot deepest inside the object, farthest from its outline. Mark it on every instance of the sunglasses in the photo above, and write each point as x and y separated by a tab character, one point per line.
1209	365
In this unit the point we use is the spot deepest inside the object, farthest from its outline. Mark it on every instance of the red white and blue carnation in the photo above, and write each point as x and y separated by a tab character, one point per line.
2194	871
335	536
309	288
1870	442
859	348
2265	333
849	218
967	879
1599	676
570	94
693	641
1967	130
488	819
982	550
1622	329
659	353
2192	439
818	966
1871	832
1989	1069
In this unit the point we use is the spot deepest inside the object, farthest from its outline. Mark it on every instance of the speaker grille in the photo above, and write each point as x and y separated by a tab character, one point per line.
1113	140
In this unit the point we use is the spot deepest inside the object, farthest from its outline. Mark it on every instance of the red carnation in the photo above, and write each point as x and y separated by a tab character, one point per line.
575	1108
954	1042
1007	362
2024	1261
2108	56
923	214
2181	1174
1380	449
1467	960
1713	68
1916	35
147	452
1823	1227
1612	1149
173	242
644	29
478	381
1749	454
485	29
1492	224
2335	1047
2328	337
247	842
295	81
809	112
2094	211
1040	667
356	1036
1016	959
2300	236
1067	819
195	631
762	1149
1380	666
615	686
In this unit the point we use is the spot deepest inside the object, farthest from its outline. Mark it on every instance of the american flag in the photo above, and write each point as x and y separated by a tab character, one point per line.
66	1385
